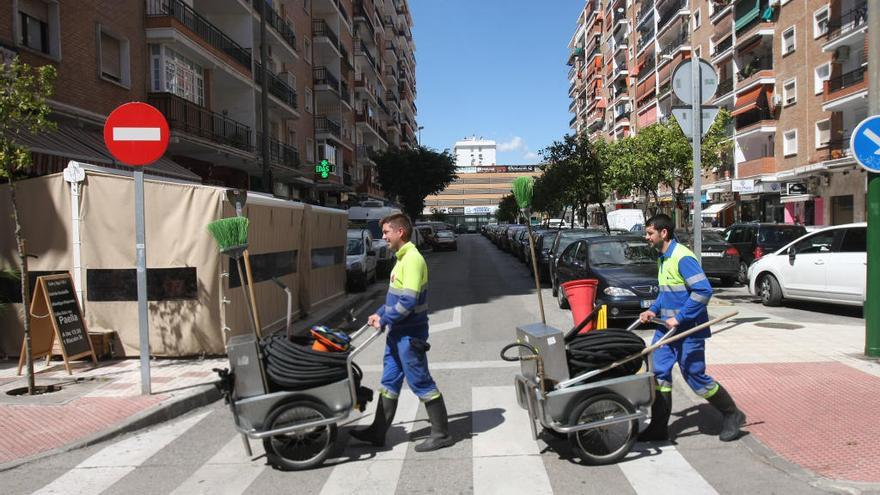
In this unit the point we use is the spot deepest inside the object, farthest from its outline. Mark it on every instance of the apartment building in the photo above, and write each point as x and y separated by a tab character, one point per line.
473	152
473	198
792	73
199	62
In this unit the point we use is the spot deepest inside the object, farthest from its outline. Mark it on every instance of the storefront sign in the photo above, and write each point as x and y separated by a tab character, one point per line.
743	185
795	188
522	168
480	210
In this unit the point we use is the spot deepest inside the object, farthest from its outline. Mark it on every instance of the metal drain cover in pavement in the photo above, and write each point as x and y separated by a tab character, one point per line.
780	326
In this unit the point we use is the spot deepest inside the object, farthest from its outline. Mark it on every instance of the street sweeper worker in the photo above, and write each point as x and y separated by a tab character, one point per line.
405	317
684	294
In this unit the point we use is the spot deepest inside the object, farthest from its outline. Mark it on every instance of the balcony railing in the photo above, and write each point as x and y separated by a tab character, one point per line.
191	118
277	87
723	46
361	49
322	75
719	6
646	10
753	117
848	21
344	92
390	97
383	106
572	121
320	28
724	87
194	21
361	14
846	80
327	125
754	66
279	153
277	22
645	39
675	44
671	13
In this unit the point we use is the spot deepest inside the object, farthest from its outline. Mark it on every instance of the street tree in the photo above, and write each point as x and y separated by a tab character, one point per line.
23	109
409	175
576	168
508	210
633	167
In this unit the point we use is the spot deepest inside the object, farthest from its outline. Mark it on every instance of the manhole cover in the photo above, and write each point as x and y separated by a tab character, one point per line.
780	326
38	390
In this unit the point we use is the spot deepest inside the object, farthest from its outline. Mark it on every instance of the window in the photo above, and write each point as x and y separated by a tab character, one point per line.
310	150
697	19
817	243
823	133
788	41
309	100
789	92
699	51
113	54
820	22
183	77
855	240
789	144
37	27
821	74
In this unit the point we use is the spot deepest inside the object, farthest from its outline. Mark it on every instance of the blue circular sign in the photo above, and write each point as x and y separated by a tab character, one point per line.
865	143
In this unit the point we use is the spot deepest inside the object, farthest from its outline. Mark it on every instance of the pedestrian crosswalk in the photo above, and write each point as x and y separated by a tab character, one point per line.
503	460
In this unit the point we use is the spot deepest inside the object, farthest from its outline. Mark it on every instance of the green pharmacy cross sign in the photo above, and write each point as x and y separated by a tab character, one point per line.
324	169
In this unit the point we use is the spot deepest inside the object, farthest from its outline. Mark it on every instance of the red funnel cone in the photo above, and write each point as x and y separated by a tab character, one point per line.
581	295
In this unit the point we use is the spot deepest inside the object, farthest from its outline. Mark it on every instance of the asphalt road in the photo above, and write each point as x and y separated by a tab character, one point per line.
478	295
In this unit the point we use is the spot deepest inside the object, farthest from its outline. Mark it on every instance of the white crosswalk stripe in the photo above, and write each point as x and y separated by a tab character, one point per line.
112	463
229	471
379	474
665	473
506	459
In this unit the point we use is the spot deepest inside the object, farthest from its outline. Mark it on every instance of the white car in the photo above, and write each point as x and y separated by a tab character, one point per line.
829	265
360	259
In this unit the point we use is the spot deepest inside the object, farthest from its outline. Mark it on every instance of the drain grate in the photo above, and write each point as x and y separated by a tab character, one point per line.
779	326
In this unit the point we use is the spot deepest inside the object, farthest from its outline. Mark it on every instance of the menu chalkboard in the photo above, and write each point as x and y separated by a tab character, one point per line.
55	314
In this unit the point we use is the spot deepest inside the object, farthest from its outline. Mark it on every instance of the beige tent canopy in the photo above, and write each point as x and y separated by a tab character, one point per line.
193	291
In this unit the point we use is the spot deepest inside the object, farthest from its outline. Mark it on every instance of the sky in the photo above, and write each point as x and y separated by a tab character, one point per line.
496	69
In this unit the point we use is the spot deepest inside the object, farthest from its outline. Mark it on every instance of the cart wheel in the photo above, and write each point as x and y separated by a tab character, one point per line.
603	444
304	449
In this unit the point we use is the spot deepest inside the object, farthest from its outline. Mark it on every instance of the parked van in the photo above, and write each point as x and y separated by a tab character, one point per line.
368	215
625	219
360	259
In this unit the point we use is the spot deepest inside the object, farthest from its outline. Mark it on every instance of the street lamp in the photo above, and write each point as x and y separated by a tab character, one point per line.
420	134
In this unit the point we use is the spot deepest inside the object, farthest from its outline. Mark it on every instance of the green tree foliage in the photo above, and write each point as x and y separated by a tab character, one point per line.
508	211
409	175
23	109
574	175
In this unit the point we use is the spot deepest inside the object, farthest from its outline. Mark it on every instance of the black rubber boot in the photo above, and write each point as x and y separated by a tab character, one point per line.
439	427
375	433
732	417
658	429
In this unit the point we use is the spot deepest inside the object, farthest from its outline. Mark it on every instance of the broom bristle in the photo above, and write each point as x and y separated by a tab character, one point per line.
522	191
229	232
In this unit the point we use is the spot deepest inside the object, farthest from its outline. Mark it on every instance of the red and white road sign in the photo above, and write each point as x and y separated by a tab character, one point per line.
136	133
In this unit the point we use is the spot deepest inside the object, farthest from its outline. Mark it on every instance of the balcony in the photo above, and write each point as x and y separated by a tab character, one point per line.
754	69
667	17
721	47
724	87
201	27
389	96
645	12
365	153
280	154
844	81
325	125
748	12
673	46
572	121
360	15
383	107
361	49
345	93
279	24
321	29
756	166
644	40
323	77
848	22
755	120
846	90
720	9
185	116
277	87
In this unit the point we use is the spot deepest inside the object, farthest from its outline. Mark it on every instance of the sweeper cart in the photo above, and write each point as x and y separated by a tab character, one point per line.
568	384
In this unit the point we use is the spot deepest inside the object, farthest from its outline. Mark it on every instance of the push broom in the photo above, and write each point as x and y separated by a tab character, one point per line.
522	192
231	235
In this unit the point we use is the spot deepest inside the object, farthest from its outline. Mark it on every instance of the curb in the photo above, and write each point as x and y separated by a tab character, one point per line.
167	410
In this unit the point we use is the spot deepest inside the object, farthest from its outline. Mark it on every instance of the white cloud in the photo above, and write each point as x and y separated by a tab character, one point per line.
531	156
512	145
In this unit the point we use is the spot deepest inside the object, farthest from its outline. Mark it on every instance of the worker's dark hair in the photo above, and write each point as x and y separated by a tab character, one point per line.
399	221
662	222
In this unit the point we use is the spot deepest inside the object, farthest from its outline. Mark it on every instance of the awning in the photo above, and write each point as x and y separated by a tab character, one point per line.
716	208
796	198
86	145
747	101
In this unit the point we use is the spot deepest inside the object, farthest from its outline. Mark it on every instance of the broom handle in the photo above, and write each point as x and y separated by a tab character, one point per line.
535	271
245	294
250	281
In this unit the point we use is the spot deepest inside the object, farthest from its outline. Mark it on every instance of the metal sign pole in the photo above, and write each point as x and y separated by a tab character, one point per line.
141	254
696	140
872	289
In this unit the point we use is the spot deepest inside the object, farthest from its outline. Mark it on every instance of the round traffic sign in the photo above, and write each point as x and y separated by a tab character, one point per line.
865	143
683	75
136	133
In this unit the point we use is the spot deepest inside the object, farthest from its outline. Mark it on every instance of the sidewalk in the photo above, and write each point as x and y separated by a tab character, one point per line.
101	402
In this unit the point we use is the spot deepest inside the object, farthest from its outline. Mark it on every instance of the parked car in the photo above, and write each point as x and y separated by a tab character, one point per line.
625	219
427	233
719	259
360	259
561	241
521	245
754	240
543	239
625	266
509	237
829	265
445	239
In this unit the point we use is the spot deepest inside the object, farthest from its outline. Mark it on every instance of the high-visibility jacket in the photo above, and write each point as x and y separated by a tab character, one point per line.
684	289
406	305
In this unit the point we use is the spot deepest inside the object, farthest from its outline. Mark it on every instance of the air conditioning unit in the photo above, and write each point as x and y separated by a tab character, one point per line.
841	54
777	100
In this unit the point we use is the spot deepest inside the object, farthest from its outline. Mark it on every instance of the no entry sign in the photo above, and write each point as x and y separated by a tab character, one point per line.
136	133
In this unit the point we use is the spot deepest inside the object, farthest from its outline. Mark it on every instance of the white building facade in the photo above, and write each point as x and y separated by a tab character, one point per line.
474	152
